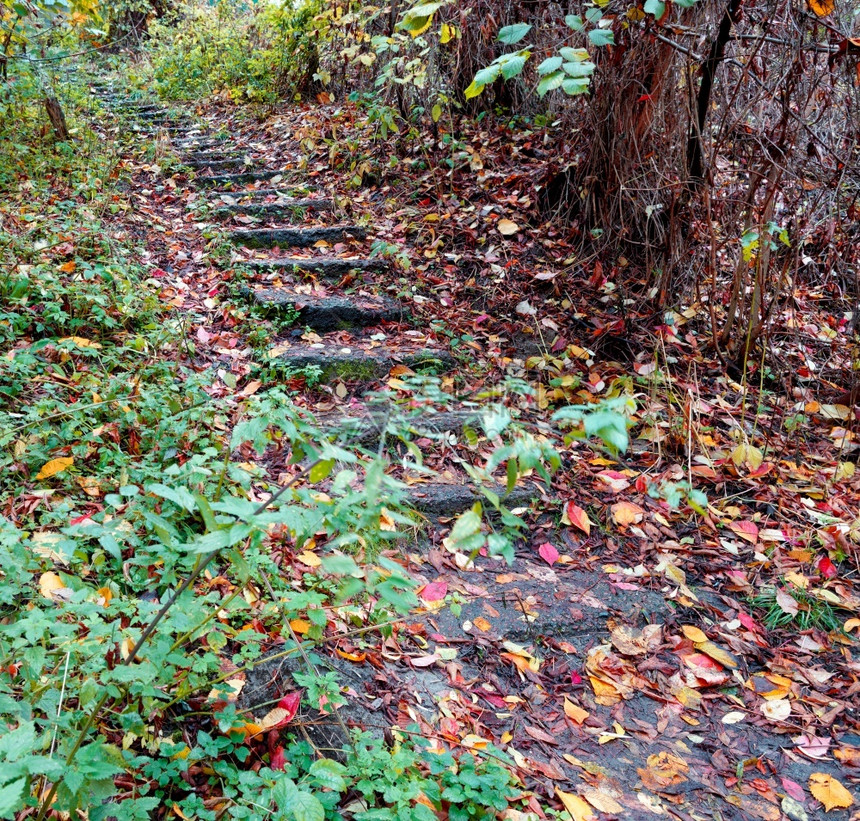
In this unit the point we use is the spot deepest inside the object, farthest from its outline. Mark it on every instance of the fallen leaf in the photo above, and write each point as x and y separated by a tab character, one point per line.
576	516
778	710
548	553
482	624
717	653
746	530
787	603
55	466
626	513
693	633
734	717
507	228
822	8
829	791
435	591
576	806
574	711
49	584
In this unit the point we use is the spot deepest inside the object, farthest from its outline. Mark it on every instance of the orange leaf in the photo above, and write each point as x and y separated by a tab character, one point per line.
576	806
55	466
829	791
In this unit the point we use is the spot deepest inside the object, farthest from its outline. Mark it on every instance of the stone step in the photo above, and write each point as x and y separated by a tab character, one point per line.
237	179
326	267
367	428
285	209
439	499
284	191
215	154
215	164
201	143
295	237
330	362
325	314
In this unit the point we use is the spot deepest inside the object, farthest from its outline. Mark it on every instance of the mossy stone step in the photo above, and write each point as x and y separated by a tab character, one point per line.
326	314
295	237
237	179
330	363
285	209
368	428
214	163
439	499
201	144
326	267
213	155
283	191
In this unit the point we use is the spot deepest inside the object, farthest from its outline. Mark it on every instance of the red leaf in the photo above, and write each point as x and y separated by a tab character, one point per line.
548	553
277	760
435	591
826	568
575	515
290	702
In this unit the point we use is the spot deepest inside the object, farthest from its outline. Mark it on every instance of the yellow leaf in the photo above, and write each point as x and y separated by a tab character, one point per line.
693	633
850	625
716	653
822	7
55	466
81	342
576	806
310	559
747	455
482	624
829	791
50	583
90	486
507	228
300	626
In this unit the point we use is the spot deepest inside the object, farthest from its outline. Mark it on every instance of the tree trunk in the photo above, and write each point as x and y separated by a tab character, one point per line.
57	118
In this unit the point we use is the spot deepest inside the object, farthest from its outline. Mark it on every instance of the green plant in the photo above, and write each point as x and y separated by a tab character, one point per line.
796	607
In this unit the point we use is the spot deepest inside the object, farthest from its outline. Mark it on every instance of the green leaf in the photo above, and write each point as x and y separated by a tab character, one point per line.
339	565
574	21
602	37
655	7
513	34
180	496
473	90
579	70
550	82
11	796
513	66
575	85
488	75
321	470
329	774
574	55
436	113
549	65
594	15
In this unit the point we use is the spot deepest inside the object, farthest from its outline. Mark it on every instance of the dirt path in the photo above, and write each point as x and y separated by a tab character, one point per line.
643	691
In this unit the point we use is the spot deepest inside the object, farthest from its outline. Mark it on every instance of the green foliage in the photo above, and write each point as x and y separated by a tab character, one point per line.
260	56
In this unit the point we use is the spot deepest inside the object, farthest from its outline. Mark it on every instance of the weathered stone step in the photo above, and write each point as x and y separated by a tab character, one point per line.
202	143
284	191
237	179
215	154
439	499
329	362
285	209
215	164
326	267
329	313
368	428
295	237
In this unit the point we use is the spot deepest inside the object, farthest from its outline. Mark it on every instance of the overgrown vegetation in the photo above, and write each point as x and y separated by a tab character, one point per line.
164	528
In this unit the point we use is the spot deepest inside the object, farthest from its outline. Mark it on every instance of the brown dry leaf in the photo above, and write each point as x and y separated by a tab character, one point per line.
55	466
89	485
601	800
507	227
576	806
633	642
850	756
829	791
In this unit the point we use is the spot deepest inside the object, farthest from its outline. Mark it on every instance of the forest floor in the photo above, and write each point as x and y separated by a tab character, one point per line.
636	658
